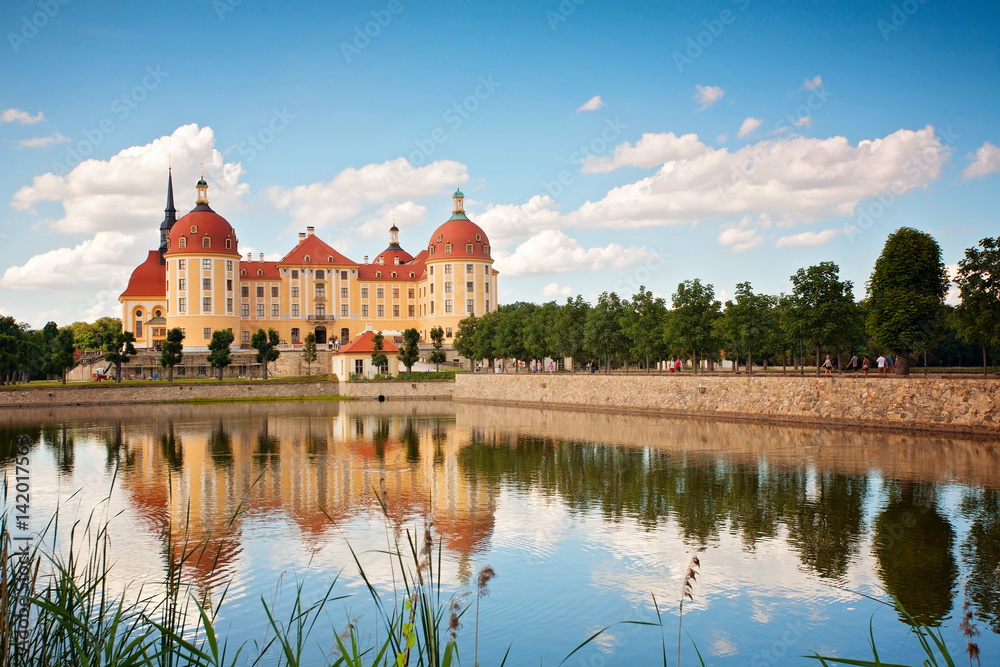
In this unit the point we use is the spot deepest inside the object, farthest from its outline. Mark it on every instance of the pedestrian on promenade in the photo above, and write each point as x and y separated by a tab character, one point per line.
889	365
679	366
828	365
865	365
853	363
880	362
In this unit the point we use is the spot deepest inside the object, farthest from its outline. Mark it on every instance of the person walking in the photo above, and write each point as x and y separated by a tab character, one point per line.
889	366
828	365
880	362
865	365
853	363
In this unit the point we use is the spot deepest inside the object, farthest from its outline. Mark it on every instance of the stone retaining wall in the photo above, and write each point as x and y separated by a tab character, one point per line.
157	392
399	390
963	404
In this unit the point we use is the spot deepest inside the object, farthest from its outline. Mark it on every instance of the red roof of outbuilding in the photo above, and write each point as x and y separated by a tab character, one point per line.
318	251
365	344
148	279
195	226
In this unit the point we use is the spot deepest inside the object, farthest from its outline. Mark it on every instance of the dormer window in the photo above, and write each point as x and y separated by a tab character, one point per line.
308	259
329	258
194	229
229	244
430	251
260	272
486	249
393	274
439	238
182	242
378	274
479	237
206	242
447	249
243	272
468	248
412	274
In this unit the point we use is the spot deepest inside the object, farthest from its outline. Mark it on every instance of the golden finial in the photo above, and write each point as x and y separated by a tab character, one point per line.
169	167
202	169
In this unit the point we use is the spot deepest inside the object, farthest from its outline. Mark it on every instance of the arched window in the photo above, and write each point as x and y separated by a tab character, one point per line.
138	323
378	274
295	335
468	248
431	251
447	249
182	242
329	258
393	274
206	242
229	244
308	258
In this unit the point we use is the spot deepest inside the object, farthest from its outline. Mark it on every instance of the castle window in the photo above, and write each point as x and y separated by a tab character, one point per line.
320	310
295	292
260	310
343	275
207	333
320	291
260	291
364	292
469	268
486	270
364	310
229	246
380	311
229	285
487	286
308	259
329	258
430	251
410	309
181	305
157	313
206	242
479	238
206	264
447	249
181	283
395	311
468	286
447	268
229	305
470	306
295	274
378	274
487	306
274	310
447	306
194	229
274	291
245	336
295	335
243	272
206	283
468	248
138	323
260	272
379	293
432	307
229	265
447	332
412	275
343	292
245	292
245	310
393	274
395	292
439	238
182	242
206	304
486	249
343	310
295	310
410	293
320	274
182	264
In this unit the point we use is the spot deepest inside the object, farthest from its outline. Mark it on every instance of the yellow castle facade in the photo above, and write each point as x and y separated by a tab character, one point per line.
199	282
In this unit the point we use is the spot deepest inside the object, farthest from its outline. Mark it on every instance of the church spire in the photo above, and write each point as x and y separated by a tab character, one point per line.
169	213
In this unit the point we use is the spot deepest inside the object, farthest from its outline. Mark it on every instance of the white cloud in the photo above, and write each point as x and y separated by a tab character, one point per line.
804	178
954	295
321	204
721	138
506	222
593	104
42	142
748	126
811	239
93	262
708	95
553	291
985	161
742	236
405	215
805	121
551	251
813	83
23	117
651	150
129	188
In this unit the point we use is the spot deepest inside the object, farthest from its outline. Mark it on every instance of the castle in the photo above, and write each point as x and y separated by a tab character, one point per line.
198	281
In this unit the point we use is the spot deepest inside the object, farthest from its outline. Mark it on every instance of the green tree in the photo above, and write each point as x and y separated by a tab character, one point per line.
266	345
219	355
309	351
465	338
642	321
539	331
11	334
747	321
568	331
92	336
438	355
118	349
172	352
603	335
486	336
823	308
60	352
410	352
977	318
906	295
689	326
379	360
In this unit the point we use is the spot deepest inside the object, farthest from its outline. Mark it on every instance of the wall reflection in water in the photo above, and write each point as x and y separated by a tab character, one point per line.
830	496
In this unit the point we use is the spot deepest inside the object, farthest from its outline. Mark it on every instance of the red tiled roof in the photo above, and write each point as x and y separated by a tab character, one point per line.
459	232
148	279
319	253
259	270
403	271
205	222
365	344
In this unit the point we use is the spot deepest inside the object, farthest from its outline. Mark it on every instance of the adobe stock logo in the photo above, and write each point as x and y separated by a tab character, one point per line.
37	21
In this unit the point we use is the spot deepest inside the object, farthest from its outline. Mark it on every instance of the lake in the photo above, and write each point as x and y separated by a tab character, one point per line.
585	517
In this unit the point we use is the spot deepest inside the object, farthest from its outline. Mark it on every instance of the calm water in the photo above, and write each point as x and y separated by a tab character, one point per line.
584	517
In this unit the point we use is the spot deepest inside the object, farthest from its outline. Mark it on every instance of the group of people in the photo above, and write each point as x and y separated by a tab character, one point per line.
885	363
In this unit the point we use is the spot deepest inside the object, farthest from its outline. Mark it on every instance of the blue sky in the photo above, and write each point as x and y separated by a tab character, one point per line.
600	145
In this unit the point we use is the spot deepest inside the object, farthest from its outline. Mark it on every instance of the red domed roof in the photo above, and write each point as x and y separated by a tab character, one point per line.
195	227
459	232
148	279
388	257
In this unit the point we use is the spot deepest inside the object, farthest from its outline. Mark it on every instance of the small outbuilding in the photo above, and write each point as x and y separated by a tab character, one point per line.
355	358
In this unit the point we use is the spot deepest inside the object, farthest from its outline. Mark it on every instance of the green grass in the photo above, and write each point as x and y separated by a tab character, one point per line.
263	399
93	384
416	376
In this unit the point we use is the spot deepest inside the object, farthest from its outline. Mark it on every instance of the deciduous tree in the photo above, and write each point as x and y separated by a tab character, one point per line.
438	355
309	351
172	351
977	318
219	355
410	352
266	345
689	326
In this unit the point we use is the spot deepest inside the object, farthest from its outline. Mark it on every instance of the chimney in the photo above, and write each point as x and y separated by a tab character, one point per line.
249	256
366	259
310	230
302	236
262	257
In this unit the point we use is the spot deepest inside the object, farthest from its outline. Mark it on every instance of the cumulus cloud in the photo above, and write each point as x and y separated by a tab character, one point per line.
804	178
322	204
593	104
652	149
129	188
42	142
985	161
552	251
813	83
748	126
405	215
804	121
92	262
811	239
22	117
740	237
504	223
554	291
708	95
954	295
